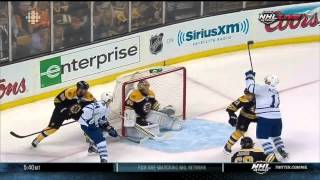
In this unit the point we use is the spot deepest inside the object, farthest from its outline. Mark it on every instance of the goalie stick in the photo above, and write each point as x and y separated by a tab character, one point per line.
24	136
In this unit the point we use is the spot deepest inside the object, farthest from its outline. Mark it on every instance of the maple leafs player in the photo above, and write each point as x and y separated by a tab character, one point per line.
93	121
269	122
247	115
68	105
249	154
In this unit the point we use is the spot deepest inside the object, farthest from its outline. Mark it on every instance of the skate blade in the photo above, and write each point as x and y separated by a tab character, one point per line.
92	153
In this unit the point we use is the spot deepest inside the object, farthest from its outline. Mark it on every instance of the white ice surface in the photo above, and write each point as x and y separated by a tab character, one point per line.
213	82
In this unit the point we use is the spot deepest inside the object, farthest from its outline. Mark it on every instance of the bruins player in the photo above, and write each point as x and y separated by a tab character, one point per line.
247	115
142	100
68	105
249	154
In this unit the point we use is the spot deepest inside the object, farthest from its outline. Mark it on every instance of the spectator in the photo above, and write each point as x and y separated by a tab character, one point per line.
21	29
78	32
72	23
41	29
102	19
146	14
4	35
119	17
31	28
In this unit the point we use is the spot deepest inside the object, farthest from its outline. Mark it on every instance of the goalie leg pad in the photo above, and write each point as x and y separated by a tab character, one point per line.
165	122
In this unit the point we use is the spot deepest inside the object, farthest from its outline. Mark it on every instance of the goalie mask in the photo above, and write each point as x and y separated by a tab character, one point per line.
143	86
271	80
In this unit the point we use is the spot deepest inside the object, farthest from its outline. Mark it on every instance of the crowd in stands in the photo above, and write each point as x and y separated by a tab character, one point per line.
71	22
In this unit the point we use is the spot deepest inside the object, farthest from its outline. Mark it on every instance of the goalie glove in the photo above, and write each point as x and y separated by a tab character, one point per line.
232	119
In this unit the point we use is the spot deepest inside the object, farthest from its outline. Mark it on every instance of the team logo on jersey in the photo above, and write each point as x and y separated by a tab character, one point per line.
260	167
156	43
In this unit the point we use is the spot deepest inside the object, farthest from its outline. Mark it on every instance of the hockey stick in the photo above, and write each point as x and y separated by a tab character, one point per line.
21	136
248	45
150	134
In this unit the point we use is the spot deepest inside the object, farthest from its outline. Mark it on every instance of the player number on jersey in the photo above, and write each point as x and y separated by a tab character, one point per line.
244	159
275	101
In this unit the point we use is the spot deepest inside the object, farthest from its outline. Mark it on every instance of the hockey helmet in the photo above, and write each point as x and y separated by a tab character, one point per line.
106	97
82	85
246	143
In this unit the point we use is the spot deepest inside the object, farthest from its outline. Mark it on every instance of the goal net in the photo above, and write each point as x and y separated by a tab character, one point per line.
168	84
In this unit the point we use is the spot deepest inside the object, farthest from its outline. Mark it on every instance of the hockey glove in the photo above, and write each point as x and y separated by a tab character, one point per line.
111	131
250	73
232	119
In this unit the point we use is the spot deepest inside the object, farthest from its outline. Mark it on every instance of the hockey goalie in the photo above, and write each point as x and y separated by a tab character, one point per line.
142	108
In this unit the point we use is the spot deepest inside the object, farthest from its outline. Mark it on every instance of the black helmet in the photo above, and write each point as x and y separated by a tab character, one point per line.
246	143
82	85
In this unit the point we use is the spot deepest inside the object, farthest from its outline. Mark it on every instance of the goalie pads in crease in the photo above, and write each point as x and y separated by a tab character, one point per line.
129	118
169	110
165	122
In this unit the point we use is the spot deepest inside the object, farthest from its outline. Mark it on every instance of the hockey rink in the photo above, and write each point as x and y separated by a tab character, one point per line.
212	84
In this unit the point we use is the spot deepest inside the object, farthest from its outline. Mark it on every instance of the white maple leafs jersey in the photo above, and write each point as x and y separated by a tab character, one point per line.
94	113
267	100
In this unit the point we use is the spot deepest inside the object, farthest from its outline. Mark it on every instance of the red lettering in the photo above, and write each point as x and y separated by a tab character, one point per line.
12	88
293	22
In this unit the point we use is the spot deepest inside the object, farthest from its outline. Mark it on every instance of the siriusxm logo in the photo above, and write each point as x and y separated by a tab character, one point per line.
215	31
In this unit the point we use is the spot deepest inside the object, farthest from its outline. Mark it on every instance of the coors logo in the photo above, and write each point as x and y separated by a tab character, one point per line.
156	43
277	21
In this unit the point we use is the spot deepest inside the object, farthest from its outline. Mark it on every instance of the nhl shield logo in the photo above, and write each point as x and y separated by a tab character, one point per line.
156	43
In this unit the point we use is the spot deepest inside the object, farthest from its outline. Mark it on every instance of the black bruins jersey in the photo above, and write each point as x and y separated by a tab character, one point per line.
251	156
69	99
142	104
248	107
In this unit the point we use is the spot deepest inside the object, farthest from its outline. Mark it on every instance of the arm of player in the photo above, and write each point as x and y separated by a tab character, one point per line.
251	85
231	109
87	115
156	105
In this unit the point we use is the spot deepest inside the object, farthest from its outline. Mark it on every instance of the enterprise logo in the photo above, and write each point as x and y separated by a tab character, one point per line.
215	31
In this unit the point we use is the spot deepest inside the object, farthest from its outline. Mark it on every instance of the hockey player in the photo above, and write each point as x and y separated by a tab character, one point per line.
93	121
247	115
68	105
269	123
142	100
249	154
142	106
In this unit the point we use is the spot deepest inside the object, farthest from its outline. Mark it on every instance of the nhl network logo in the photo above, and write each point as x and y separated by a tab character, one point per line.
156	43
260	167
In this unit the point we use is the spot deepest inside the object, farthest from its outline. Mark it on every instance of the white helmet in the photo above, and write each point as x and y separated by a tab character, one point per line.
272	80
106	97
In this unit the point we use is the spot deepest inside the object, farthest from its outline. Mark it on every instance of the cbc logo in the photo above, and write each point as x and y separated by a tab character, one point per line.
33	17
